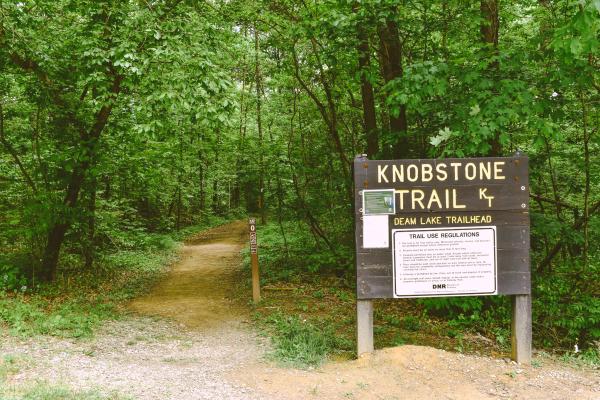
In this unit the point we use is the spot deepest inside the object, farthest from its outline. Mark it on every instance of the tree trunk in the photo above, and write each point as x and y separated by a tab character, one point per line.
366	91
52	251
489	30
587	181
391	60
56	234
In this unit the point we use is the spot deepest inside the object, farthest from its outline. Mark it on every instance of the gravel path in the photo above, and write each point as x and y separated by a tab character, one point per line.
143	358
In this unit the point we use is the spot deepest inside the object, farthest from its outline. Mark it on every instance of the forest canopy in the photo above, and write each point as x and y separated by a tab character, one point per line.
122	118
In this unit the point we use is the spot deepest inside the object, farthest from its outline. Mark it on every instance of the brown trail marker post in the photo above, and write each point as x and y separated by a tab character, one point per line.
254	260
440	228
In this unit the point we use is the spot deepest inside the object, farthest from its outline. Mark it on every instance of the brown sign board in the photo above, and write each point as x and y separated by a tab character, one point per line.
447	227
254	260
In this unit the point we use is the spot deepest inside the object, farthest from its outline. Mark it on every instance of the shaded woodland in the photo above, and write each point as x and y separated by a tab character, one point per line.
119	119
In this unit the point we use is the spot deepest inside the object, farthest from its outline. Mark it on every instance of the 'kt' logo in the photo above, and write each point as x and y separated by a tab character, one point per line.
483	196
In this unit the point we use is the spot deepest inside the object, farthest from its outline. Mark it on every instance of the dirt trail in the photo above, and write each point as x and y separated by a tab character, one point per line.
196	289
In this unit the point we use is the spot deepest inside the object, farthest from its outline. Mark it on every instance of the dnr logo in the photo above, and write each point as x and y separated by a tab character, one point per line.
439	286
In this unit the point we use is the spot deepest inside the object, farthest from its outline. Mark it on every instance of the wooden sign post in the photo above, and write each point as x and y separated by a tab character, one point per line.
440	228
254	260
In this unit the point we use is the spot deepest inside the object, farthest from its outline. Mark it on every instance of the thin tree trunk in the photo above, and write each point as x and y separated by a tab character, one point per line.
446	17
329	115
236	192
261	181
202	194
215	193
586	193
179	177
555	193
90	246
333	114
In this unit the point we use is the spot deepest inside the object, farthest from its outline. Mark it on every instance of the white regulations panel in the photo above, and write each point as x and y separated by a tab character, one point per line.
444	261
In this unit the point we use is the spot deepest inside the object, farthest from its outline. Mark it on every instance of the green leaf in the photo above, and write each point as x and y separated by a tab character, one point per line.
442	136
576	46
474	110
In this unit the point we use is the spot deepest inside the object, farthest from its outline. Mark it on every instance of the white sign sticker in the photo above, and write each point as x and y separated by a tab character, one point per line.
376	232
444	262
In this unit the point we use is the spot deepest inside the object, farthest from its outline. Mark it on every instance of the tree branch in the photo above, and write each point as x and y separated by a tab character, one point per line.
310	93
551	201
559	245
11	150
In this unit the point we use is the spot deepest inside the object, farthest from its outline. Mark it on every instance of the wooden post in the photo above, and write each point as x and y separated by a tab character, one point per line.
521	328
254	261
364	327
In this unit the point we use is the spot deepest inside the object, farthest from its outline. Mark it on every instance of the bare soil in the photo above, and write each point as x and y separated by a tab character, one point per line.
195	293
188	340
423	373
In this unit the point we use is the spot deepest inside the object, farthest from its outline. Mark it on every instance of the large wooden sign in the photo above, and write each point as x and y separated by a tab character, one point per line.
452	227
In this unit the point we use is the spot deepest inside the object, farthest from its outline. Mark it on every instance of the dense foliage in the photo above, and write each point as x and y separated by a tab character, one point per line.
124	117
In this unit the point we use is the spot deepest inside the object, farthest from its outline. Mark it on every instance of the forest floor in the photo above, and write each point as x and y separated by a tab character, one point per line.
187	339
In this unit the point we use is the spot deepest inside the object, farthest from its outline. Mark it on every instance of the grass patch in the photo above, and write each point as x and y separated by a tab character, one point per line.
74	305
72	317
46	391
9	365
589	358
298	342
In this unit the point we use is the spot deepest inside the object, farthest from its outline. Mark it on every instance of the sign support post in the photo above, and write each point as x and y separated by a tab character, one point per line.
521	328
364	326
254	260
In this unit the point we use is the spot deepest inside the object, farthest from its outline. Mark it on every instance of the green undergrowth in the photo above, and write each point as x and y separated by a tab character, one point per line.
308	309
297	255
79	300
